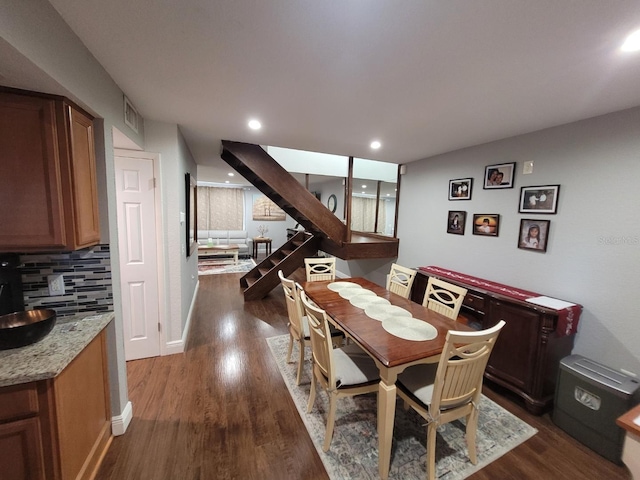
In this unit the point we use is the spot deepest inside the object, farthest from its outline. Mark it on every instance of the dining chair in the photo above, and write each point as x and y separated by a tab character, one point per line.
400	280
342	372
450	389
444	297
298	324
320	268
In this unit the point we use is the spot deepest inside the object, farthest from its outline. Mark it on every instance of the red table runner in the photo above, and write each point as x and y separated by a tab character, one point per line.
567	317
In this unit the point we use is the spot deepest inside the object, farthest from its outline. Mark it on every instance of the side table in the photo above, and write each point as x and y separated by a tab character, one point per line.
267	245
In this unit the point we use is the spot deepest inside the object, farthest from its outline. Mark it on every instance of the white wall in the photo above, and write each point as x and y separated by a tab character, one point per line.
593	255
181	272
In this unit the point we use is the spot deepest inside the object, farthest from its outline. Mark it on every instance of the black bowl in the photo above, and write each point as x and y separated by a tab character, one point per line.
19	329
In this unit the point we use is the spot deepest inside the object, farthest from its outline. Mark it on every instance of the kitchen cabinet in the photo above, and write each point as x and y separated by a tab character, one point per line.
48	186
58	428
527	354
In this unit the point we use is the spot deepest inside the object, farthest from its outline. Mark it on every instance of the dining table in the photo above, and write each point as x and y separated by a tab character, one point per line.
386	337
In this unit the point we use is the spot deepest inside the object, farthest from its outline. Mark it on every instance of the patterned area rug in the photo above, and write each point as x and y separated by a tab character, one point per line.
354	448
224	265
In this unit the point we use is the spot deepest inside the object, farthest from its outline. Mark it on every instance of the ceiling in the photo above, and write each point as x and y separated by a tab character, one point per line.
421	76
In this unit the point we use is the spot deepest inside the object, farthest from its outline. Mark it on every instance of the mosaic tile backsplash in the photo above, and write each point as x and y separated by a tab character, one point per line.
87	281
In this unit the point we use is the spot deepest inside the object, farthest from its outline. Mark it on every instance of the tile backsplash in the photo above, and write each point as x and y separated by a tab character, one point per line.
87	280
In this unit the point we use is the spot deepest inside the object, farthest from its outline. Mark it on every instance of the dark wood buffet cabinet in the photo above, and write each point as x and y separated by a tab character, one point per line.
528	351
48	187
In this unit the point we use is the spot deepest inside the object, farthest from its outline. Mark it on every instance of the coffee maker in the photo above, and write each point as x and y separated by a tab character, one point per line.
11	294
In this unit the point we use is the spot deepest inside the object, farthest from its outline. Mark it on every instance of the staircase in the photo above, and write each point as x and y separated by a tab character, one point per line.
288	258
324	231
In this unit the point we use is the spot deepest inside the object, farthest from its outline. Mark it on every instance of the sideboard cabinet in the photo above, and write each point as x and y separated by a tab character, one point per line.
48	186
527	354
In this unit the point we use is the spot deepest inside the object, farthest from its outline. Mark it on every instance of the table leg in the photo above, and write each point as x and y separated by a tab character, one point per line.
235	257
386	417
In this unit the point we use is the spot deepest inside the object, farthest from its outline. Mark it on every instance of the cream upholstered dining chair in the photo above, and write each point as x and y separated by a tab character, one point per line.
450	389
320	268
298	325
443	297
341	372
400	280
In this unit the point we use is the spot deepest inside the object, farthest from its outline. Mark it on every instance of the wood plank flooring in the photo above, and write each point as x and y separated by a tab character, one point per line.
222	411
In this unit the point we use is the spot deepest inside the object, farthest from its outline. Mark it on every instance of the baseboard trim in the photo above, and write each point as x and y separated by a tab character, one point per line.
120	423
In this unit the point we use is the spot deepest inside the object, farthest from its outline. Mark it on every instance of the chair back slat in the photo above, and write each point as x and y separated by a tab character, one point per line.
443	297
294	305
400	280
321	346
321	268
461	368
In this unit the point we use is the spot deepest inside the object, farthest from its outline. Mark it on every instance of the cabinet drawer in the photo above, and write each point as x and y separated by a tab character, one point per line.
18	401
474	302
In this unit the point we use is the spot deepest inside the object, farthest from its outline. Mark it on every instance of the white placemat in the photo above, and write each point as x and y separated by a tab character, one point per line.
363	301
337	286
352	292
409	328
382	312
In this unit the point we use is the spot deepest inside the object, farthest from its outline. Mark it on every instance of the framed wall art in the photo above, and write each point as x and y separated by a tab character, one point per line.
456	222
533	234
539	199
499	175
487	224
460	189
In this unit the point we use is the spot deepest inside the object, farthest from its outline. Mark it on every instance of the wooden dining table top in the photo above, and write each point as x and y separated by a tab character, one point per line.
386	348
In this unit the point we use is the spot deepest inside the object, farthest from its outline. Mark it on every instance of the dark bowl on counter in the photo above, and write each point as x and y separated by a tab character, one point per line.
19	329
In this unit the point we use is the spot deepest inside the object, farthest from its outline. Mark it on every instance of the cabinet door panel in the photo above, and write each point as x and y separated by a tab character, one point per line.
31	193
21	450
83	177
514	355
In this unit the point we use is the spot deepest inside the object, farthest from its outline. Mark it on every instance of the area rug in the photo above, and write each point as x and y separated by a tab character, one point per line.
354	448
217	265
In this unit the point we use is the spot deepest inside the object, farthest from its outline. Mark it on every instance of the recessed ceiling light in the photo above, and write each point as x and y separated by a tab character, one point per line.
364	186
376	144
226	181
230	174
632	43
255	125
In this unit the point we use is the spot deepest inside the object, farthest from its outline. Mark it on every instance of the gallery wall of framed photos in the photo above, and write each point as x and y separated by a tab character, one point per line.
533	233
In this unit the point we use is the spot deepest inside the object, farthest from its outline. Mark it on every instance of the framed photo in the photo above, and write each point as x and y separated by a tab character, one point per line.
533	234
486	224
460	189
456	222
541	199
499	176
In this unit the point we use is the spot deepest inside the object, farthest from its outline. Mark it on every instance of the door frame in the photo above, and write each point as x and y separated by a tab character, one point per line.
160	246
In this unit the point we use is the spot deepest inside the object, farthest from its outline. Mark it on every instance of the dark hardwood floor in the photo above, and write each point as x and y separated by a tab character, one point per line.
222	411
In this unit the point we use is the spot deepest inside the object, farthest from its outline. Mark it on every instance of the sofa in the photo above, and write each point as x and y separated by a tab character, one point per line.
228	237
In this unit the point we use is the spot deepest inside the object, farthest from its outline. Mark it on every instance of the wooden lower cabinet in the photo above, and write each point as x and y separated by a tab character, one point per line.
66	429
527	354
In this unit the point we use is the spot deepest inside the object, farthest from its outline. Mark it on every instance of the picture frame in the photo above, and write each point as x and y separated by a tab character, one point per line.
486	224
539	199
499	176
191	207
534	234
456	221
460	189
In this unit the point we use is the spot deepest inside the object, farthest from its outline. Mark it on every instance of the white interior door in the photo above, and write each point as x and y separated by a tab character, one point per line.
135	194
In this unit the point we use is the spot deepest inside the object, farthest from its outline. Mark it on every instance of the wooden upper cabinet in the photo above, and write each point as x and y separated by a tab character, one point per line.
48	187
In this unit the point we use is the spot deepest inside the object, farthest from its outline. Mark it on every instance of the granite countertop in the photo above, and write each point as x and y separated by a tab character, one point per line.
48	357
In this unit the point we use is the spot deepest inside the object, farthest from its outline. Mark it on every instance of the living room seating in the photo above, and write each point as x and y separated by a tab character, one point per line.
227	237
